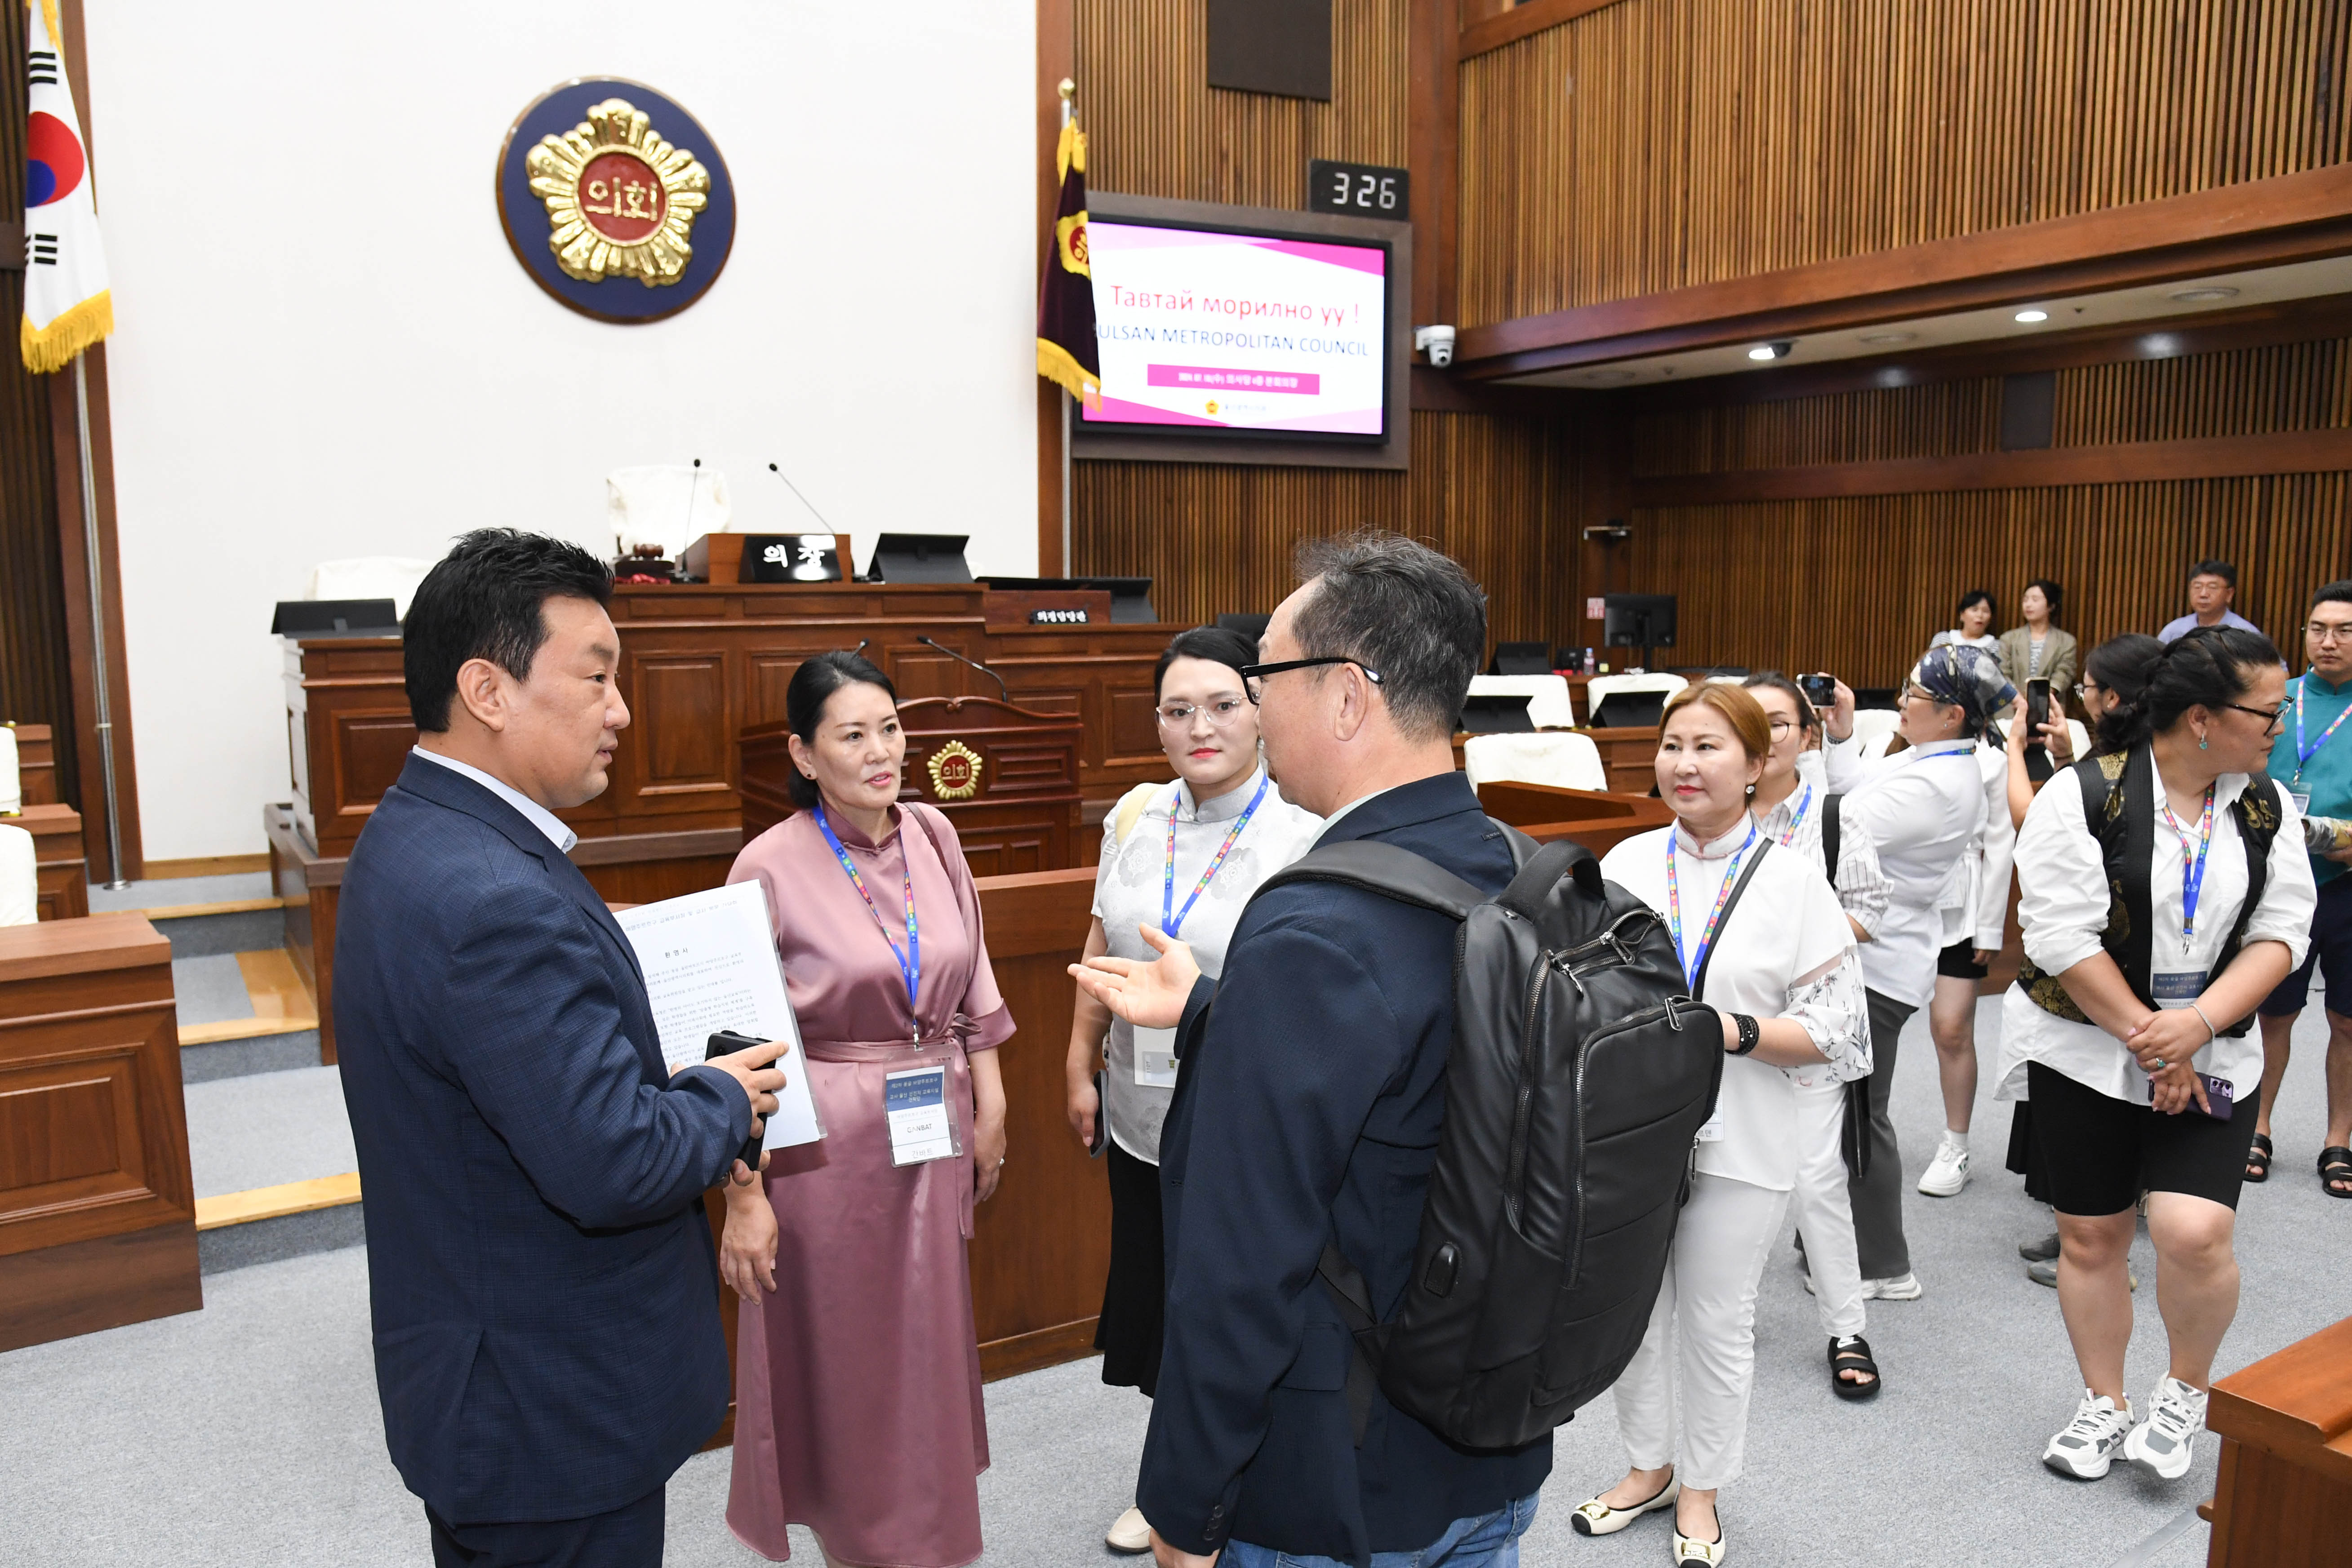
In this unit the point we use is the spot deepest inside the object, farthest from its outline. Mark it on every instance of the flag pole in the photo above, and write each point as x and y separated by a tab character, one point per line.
95	569
1069	567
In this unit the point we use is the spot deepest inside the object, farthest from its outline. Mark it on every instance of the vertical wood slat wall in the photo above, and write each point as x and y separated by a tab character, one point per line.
1659	144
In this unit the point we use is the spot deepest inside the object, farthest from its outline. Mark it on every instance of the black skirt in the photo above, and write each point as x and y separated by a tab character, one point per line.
1135	1294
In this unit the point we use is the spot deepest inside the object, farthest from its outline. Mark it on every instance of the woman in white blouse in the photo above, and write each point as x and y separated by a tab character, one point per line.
2164	893
1975	628
1183	856
1764	942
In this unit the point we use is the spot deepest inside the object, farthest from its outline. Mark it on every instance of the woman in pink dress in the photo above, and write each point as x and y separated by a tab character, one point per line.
857	1404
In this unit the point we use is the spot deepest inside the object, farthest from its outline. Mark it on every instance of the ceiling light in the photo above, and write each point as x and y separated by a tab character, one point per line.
2200	296
1888	337
2033	315
1608	377
1771	351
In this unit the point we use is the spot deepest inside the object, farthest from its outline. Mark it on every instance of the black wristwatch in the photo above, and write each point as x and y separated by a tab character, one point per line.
1751	1034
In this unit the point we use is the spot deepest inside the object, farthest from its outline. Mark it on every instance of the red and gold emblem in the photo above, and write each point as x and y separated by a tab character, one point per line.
955	771
621	202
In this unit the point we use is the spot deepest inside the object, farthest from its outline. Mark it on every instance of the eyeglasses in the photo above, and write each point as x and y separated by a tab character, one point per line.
2082	690
1780	726
2329	631
1222	711
1254	675
2271	717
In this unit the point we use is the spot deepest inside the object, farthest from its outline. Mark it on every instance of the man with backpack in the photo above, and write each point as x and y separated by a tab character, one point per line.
1311	1115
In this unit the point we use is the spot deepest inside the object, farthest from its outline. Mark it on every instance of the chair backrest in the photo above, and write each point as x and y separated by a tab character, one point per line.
1550	706
1604	687
1563	761
12	784
20	878
2080	735
666	504
1875	725
392	577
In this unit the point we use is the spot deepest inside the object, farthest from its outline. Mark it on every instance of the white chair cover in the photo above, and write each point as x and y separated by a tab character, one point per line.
2080	735
20	879
668	504
392	577
1549	705
12	781
1563	761
1875	724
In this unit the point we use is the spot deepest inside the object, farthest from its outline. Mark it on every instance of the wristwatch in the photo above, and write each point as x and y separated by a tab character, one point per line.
1751	1034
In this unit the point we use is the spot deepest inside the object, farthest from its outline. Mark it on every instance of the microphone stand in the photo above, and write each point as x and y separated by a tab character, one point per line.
1001	689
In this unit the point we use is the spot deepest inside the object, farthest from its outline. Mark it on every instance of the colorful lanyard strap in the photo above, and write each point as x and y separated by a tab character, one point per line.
1170	917
1797	818
2193	863
2303	754
911	961
1691	961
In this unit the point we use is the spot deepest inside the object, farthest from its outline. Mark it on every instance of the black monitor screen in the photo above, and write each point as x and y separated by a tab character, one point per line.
1639	620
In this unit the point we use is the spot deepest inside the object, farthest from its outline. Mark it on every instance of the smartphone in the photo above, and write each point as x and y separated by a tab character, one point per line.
1821	690
2220	1098
2037	708
726	1043
1102	1114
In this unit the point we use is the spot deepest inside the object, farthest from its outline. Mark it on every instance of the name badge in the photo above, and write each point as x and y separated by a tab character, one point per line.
2177	989
915	1105
2301	799
1713	1131
1155	1058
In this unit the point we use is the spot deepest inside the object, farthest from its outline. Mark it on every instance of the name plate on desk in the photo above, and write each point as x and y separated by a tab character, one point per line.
1058	617
790	558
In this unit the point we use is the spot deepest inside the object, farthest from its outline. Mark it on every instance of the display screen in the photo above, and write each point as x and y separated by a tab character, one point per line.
1216	329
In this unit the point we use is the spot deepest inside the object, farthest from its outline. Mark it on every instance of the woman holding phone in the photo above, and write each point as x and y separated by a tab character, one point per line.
2170	893
857	1404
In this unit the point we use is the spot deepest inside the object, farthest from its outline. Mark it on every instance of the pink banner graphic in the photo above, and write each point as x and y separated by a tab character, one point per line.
1206	379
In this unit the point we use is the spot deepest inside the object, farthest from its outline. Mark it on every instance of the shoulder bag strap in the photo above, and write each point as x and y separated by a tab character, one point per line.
1832	829
1131	810
1699	981
1383	868
1353	1297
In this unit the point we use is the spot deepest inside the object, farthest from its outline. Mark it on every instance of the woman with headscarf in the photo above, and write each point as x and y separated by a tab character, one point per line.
1923	808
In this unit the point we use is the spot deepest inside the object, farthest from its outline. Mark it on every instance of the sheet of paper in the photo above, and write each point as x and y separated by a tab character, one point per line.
709	961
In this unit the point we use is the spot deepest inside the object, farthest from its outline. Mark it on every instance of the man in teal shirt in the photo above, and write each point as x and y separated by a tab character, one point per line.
2313	763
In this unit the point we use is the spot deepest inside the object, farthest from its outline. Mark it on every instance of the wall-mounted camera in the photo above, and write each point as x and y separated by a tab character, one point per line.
1437	342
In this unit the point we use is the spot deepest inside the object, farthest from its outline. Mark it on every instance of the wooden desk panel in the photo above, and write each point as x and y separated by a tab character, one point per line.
2285	1490
96	1203
1598	821
37	764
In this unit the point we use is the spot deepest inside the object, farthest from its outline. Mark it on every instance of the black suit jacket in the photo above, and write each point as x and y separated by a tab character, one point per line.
547	1335
1308	1109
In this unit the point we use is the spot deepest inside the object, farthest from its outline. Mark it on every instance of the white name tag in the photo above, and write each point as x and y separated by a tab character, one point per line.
2301	799
2175	989
1713	1131
1155	1058
915	1104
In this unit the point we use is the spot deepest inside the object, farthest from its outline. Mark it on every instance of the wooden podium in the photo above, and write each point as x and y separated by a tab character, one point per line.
1006	776
2285	1492
1599	821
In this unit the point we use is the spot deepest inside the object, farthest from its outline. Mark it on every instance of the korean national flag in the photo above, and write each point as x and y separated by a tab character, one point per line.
65	304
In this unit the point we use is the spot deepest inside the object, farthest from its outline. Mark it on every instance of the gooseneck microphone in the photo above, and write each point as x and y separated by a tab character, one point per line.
1001	689
803	499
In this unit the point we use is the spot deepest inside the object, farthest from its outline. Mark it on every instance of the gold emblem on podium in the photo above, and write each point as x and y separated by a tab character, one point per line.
955	771
621	202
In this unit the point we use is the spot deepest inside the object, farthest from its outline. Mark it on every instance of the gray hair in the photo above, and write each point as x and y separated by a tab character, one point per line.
1400	608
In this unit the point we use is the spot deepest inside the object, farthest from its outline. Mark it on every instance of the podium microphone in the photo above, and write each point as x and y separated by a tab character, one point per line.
960	658
803	499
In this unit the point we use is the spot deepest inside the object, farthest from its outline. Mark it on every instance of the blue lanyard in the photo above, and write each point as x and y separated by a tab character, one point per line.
1693	962
1169	915
2303	754
911	961
2192	868
1804	803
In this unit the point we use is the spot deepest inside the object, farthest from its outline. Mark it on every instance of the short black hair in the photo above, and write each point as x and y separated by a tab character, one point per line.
1404	609
805	695
2052	594
1218	644
2222	569
2336	593
1976	596
486	599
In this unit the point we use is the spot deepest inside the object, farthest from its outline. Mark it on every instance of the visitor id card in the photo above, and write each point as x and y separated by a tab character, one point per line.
2177	989
1155	1058
2301	799
922	1125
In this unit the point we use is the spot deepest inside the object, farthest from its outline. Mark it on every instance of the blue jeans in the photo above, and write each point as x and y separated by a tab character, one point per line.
1488	1541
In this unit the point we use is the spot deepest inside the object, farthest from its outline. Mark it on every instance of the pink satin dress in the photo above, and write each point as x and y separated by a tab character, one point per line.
857	1403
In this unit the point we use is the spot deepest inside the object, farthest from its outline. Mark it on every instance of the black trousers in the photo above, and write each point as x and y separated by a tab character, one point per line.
1135	1293
629	1536
1878	1197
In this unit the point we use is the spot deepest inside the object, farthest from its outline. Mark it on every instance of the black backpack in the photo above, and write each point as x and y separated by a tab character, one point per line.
1579	1075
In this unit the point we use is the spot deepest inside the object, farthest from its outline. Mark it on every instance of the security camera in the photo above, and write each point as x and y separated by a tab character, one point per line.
1437	342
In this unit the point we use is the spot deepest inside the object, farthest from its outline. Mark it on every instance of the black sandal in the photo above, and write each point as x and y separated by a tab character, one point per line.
2336	1166
1854	1355
2258	1158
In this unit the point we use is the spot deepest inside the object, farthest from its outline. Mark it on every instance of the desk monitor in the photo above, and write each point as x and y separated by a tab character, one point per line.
1496	716
920	558
1638	620
1250	627
335	617
1520	658
1630	711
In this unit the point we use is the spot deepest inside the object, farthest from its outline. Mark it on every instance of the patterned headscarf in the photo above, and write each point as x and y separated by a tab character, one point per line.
1968	678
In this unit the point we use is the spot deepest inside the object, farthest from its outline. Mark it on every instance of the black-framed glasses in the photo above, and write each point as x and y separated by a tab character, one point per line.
1254	675
2271	717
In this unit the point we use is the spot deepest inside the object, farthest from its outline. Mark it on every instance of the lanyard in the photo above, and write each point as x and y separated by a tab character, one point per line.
2192	865
911	961
1797	820
1169	915
2303	754
1691	961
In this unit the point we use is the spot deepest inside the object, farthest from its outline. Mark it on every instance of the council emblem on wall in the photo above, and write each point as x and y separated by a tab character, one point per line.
616	200
955	771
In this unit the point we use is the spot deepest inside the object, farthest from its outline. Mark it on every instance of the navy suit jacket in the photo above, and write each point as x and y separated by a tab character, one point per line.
547	1336
1308	1109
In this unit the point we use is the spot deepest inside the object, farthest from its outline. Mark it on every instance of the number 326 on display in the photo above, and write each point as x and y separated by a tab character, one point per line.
1359	190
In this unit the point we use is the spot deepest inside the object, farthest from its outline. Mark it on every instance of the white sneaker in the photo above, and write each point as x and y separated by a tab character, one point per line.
1904	1288
1130	1533
1946	1174
2087	1447
2160	1444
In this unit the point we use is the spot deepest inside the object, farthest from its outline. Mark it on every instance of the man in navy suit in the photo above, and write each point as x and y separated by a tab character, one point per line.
548	1346
1308	1107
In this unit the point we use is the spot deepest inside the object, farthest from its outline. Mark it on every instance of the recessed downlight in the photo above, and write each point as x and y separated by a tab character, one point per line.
2031	316
2205	295
1771	351
1888	337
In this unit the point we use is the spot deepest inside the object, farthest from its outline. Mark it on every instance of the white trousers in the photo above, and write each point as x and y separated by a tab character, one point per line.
1823	1211
1704	1327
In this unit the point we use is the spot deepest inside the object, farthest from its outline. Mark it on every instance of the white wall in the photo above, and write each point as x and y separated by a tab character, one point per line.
325	347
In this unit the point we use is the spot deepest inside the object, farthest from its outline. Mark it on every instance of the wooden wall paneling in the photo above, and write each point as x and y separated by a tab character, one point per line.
1801	131
1433	117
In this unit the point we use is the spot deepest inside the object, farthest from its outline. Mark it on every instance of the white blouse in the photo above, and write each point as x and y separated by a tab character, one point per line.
1923	808
2063	905
1796	824
1974	903
1784	951
1130	889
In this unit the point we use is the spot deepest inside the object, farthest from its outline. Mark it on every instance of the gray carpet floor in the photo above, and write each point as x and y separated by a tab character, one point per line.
248	1434
210	990
265	1129
171	892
